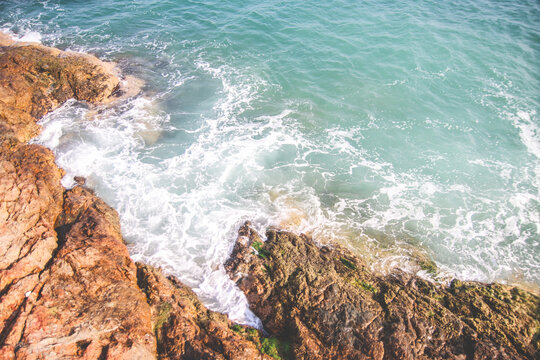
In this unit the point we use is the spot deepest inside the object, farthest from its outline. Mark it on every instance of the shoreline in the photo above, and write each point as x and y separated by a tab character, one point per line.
68	285
76	219
480	246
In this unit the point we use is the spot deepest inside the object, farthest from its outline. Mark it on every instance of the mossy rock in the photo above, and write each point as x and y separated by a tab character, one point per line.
429	266
163	316
347	263
261	251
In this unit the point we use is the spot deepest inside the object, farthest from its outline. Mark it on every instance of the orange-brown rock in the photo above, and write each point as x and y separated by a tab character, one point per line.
331	306
35	79
186	329
70	295
68	288
87	303
30	201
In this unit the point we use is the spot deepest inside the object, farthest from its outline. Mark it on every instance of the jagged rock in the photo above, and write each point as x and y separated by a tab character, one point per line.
186	329
35	79
68	288
30	201
80	180
86	303
331	306
73	293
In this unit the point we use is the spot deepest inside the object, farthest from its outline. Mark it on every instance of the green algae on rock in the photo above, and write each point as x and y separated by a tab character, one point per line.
186	329
330	305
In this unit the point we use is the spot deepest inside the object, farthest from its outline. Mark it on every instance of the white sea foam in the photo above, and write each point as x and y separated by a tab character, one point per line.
24	36
483	239
182	211
529	131
165	227
31	36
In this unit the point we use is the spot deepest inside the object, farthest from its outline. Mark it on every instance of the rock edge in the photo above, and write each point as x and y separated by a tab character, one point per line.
68	287
327	304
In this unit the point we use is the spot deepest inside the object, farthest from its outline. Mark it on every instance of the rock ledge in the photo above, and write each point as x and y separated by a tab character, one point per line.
329	305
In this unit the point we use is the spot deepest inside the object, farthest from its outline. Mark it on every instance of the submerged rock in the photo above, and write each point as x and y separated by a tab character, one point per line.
329	305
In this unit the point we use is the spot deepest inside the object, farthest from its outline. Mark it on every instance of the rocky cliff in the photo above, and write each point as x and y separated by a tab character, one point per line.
68	288
326	304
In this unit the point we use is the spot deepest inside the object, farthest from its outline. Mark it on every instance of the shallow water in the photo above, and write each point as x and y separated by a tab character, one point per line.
390	126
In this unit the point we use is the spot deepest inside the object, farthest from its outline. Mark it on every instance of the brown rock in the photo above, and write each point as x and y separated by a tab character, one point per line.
331	306
186	329
87	303
80	180
35	79
72	295
30	201
68	288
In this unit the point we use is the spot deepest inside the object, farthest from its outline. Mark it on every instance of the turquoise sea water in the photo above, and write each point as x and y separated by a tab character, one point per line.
393	127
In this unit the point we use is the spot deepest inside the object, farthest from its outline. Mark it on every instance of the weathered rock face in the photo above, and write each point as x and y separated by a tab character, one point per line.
30	201
331	306
35	79
186	329
86	303
68	288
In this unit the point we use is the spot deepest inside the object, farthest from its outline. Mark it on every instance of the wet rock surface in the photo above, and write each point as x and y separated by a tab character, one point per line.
329	305
35	79
186	329
68	288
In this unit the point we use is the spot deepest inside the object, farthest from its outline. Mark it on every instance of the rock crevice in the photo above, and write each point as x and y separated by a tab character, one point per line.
333	307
